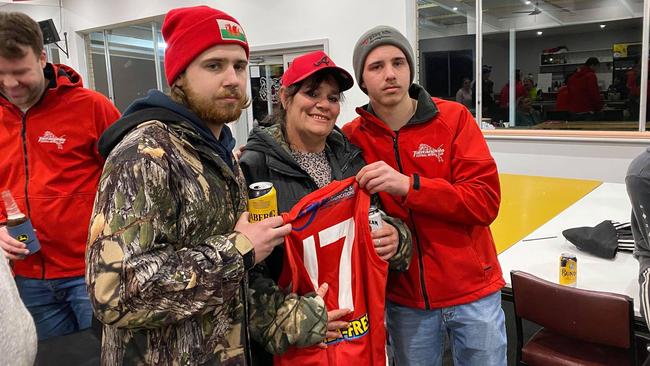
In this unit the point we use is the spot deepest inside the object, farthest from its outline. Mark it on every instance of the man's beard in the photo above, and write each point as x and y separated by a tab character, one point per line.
212	112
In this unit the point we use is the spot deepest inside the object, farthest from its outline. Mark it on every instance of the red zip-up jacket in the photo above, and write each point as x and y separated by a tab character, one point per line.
453	198
584	94
562	102
51	165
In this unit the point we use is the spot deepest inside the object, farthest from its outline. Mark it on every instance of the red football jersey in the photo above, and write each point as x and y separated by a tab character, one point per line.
330	242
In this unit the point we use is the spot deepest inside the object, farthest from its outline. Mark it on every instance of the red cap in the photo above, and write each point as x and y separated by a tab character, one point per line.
190	31
306	65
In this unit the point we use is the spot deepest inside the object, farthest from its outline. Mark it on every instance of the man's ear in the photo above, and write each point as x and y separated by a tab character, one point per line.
42	59
180	80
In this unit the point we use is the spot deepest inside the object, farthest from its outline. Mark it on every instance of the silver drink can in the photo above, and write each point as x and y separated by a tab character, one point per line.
374	217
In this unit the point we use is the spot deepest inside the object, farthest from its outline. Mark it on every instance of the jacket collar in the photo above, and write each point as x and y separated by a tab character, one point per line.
270	141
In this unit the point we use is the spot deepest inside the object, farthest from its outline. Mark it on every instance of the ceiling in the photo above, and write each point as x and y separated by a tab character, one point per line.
30	2
443	18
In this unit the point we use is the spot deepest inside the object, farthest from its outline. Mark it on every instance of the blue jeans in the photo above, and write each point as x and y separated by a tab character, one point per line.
476	331
59	306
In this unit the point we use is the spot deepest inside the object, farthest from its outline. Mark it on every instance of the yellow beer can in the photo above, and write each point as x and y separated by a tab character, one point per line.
262	201
568	269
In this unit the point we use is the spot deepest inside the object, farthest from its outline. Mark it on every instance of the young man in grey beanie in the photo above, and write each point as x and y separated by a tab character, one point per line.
431	166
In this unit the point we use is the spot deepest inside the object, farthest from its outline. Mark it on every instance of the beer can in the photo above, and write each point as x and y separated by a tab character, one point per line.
374	217
262	201
568	269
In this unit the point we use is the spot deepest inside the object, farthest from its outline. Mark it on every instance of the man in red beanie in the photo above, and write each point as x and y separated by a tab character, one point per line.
170	244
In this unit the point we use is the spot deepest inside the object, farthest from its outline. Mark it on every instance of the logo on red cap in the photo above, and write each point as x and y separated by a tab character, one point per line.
325	60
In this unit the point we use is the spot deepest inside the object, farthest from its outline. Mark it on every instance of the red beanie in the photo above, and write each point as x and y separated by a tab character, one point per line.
190	31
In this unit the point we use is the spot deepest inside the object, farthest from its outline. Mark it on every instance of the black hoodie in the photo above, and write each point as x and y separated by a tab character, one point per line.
158	106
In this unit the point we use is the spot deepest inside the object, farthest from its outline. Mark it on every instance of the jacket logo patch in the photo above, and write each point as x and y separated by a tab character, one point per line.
50	138
425	150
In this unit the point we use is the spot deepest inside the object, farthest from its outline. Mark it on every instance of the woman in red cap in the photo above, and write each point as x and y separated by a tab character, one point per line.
300	149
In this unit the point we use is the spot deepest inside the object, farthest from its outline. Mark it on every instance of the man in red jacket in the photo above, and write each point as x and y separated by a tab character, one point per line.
584	93
49	127
431	166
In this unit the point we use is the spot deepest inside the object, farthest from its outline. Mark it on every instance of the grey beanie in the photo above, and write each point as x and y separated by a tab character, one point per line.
379	36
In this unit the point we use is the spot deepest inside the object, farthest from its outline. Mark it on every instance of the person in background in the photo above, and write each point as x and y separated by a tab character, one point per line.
619	87
584	93
633	86
49	128
562	101
520	91
170	243
17	331
489	105
299	149
532	91
633	81
526	115
464	94
432	168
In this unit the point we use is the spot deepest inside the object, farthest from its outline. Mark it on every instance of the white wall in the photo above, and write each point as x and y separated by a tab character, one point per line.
265	23
63	23
38	13
606	161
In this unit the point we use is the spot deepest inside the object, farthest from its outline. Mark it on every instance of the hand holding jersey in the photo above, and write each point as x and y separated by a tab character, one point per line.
381	177
334	325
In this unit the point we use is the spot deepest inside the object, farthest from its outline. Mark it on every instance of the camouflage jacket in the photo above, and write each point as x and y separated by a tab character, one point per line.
163	270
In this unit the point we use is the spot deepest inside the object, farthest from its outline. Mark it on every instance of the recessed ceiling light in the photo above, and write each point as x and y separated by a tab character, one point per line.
603	26
539	33
454	8
527	2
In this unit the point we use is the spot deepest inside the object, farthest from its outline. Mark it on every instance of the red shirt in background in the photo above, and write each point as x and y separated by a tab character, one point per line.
504	98
562	102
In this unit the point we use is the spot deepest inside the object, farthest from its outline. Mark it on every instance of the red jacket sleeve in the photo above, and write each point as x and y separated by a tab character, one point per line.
473	195
105	114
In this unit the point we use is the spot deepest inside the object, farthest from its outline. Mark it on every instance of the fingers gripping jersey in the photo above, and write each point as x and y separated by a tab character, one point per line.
330	242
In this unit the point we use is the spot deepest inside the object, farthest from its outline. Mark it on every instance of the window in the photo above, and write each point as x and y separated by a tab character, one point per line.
447	50
541	47
135	61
